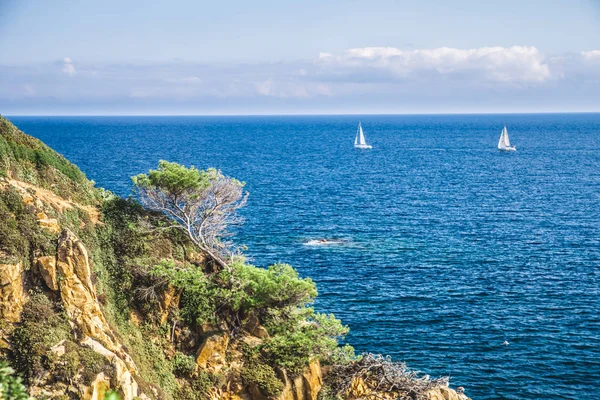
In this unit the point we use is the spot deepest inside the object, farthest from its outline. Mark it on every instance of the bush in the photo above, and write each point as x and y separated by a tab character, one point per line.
80	360
259	373
310	335
42	326
11	387
183	365
197	389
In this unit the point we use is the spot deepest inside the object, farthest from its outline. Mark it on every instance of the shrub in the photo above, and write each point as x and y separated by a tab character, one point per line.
183	365
80	360
196	389
42	326
11	387
309	336
259	373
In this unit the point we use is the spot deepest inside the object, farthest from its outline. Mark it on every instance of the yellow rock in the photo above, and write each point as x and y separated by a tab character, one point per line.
50	223
12	295
47	267
211	354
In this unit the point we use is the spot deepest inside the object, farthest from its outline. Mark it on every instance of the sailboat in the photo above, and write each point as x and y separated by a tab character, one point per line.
359	141
504	143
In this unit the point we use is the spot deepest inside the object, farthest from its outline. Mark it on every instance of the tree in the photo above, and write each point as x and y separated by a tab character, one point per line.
202	203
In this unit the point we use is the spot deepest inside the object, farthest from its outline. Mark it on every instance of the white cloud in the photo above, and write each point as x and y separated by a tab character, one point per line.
592	55
495	64
68	66
376	78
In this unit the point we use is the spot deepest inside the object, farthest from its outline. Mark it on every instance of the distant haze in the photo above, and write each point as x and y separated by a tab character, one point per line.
292	57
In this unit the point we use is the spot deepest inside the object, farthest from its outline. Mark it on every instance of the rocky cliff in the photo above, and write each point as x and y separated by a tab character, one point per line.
84	311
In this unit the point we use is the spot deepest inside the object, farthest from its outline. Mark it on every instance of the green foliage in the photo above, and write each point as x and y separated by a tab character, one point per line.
80	360
309	335
26	158
149	357
20	233
242	289
198	388
175	178
112	395
11	387
183	365
43	325
277	295
259	373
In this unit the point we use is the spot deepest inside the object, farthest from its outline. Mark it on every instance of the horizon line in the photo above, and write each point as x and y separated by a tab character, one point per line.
298	114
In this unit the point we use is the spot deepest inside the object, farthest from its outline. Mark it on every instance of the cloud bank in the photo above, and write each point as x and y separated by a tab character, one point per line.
368	79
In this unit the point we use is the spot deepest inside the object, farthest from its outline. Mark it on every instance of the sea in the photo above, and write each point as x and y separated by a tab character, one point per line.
442	251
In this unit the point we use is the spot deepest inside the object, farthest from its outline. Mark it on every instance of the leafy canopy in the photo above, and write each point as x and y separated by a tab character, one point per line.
203	204
175	179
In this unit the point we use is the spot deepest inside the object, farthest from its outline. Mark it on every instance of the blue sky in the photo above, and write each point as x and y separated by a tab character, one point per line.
263	57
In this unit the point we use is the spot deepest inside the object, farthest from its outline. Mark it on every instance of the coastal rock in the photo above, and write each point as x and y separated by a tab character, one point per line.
211	354
97	390
47	267
169	297
254	327
445	393
12	295
304	387
79	298
359	390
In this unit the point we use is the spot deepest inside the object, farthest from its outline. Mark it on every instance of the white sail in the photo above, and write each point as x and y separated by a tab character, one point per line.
359	140
504	142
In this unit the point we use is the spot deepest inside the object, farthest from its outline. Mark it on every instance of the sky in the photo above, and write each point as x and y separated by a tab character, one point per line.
65	57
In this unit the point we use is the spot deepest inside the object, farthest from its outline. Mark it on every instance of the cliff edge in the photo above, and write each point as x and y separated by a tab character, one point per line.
98	295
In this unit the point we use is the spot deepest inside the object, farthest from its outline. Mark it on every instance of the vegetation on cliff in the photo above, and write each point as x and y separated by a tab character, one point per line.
176	312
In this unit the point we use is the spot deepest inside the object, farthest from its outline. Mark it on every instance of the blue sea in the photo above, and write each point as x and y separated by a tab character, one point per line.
443	247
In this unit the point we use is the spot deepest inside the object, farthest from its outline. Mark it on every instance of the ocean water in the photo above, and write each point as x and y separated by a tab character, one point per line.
446	247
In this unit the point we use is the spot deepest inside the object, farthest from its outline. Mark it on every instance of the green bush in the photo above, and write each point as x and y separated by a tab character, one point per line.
11	387
259	373
20	233
198	388
80	360
183	365
43	325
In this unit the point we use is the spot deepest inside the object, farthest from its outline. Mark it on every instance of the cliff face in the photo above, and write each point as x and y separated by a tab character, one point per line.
82	315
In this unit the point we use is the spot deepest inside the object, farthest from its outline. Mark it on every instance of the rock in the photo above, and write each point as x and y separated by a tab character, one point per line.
445	393
59	348
47	267
124	378
303	387
312	380
79	299
167	298
211	354
254	327
12	295
97	390
50	223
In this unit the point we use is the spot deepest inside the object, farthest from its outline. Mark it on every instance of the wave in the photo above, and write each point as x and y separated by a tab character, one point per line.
325	242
